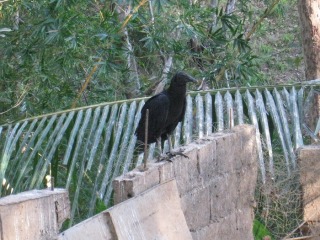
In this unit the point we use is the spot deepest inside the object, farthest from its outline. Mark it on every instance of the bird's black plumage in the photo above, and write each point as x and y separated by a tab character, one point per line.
166	110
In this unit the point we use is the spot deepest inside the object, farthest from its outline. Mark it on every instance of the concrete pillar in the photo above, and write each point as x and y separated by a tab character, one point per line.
153	214
309	166
216	183
33	215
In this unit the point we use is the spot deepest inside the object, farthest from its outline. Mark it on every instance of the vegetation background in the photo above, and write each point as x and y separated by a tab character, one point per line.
63	53
59	54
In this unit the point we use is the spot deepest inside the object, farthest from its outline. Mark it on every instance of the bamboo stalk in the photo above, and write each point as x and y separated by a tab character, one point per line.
126	21
85	85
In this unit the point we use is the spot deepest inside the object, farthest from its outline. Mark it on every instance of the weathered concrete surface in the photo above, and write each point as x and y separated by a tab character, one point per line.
94	228
153	214
216	184
309	165
33	215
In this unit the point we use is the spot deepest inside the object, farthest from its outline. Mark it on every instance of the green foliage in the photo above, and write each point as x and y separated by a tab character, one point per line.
52	49
267	49
51	52
260	230
277	41
55	45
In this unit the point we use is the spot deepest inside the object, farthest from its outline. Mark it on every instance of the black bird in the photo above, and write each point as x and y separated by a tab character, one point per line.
166	110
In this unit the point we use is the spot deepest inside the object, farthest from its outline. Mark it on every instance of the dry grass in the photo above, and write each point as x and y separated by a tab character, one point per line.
278	44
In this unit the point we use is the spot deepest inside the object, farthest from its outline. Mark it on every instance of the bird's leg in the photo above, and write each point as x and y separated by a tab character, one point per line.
161	156
172	153
169	142
159	148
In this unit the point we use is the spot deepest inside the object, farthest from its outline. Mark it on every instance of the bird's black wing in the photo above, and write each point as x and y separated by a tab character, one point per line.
158	107
174	122
183	110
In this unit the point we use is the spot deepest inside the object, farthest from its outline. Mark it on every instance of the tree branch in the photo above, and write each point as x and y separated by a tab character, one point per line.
85	85
164	75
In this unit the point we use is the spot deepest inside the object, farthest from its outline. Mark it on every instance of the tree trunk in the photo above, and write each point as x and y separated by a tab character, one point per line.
309	11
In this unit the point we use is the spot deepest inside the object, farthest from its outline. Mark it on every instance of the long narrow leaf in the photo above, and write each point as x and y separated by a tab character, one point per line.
177	135
300	105
254	121
47	159
123	148
187	123
129	156
42	160
22	149
295	111
78	146
277	122
82	165
199	115
229	107
239	106
23	163
34	150
5	154
14	141
218	103
208	114
285	125
265	128
107	174
97	136
83	161
102	160
287	101
72	137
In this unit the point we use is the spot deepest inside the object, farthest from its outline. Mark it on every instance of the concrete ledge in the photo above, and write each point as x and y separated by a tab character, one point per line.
208	195
309	165
236	225
94	228
154	214
216	183
36	214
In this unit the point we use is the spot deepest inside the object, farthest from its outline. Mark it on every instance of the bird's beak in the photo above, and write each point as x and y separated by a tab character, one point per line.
193	80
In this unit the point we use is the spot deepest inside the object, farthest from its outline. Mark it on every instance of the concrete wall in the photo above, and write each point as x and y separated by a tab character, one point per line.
309	166
154	214
208	195
216	184
33	215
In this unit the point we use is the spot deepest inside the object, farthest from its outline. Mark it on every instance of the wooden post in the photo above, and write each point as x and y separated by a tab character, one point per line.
145	157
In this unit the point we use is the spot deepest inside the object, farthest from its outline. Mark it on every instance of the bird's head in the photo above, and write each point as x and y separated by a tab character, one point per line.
181	78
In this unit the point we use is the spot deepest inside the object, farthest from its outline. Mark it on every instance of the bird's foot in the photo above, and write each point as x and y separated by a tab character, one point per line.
163	157
169	155
176	153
